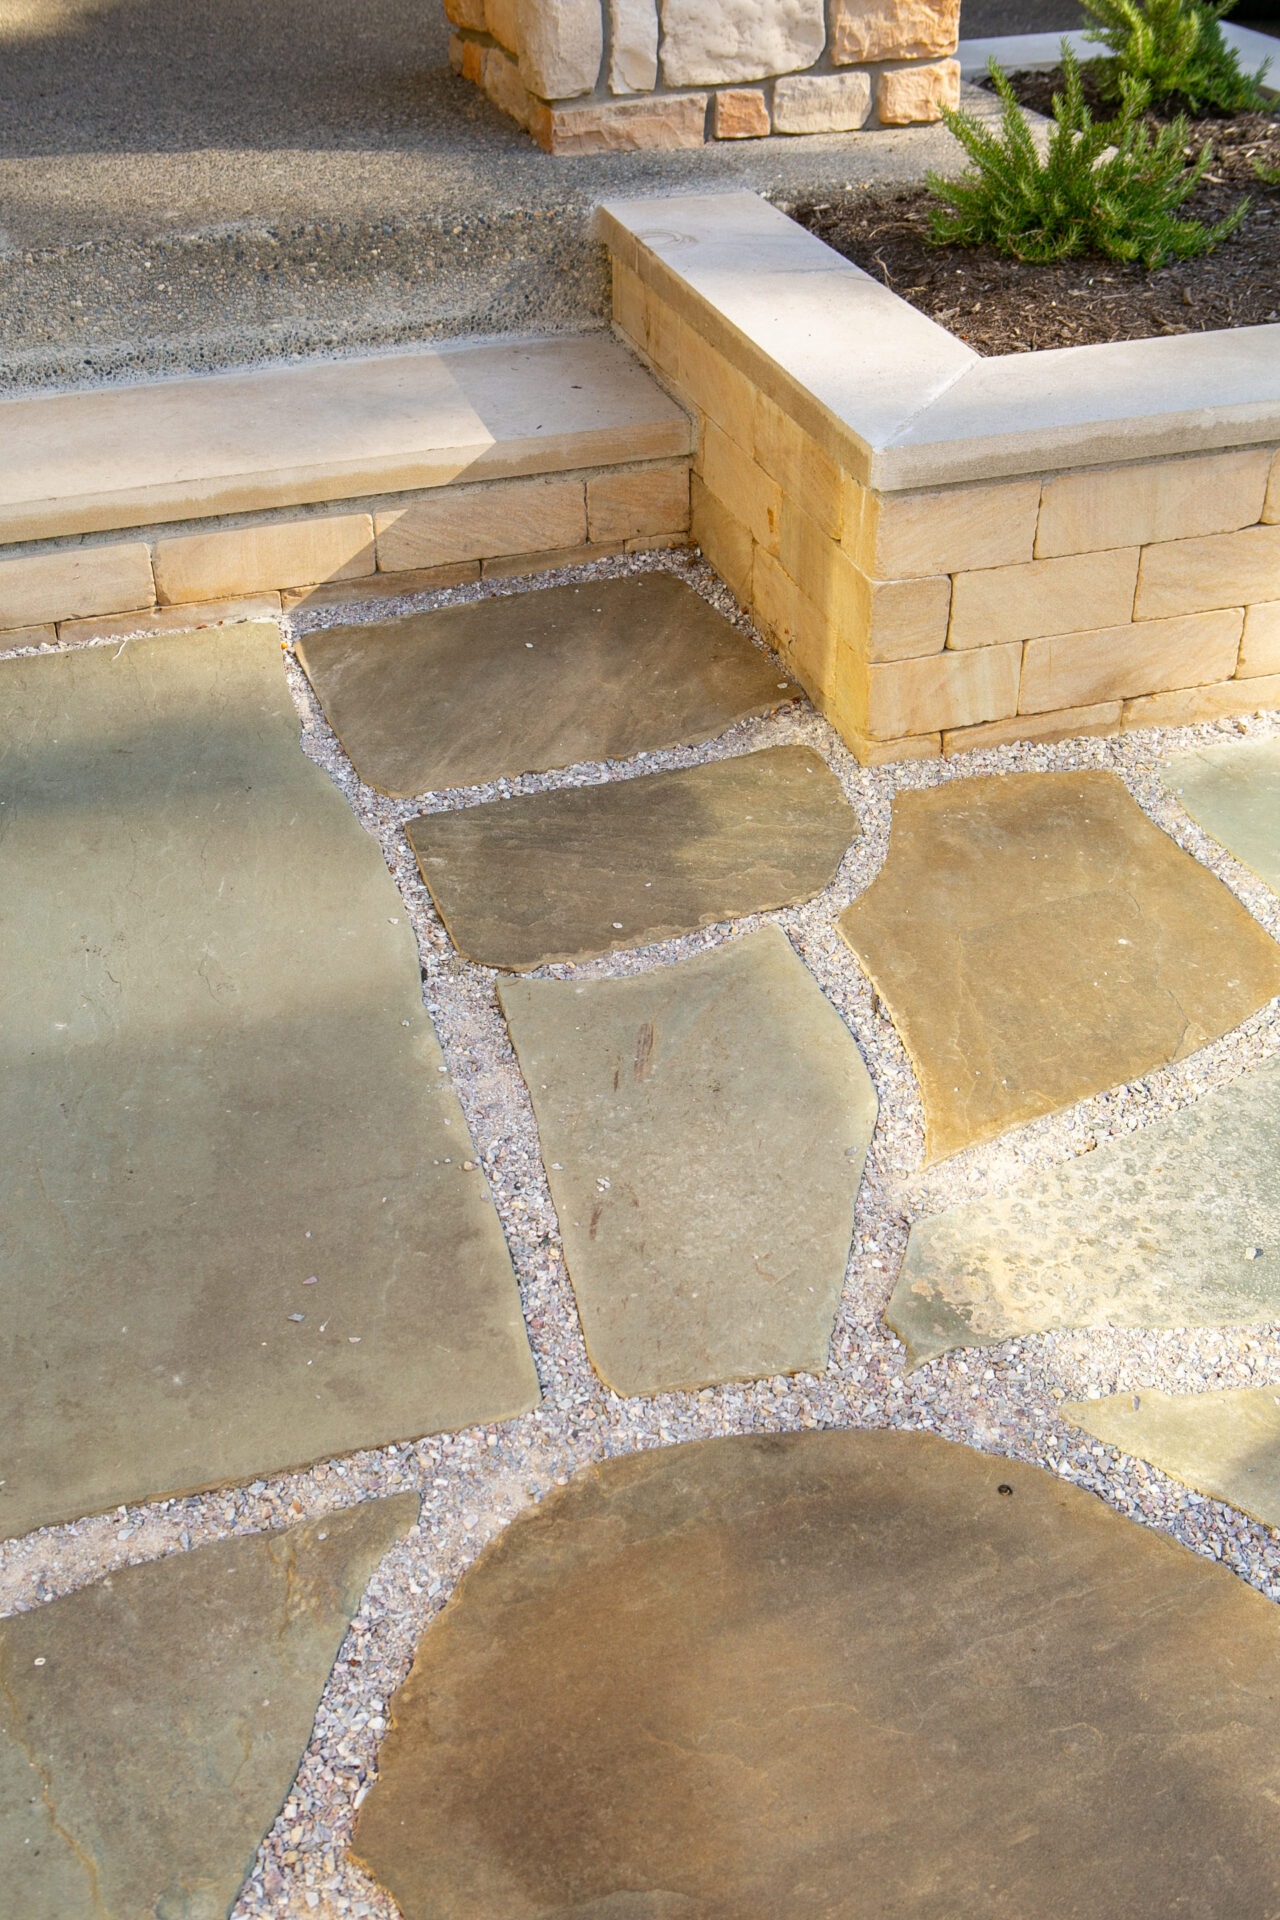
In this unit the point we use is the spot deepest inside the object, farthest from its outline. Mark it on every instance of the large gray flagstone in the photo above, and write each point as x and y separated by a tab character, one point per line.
151	1724
217	1083
1234	792
580	872
524	682
1174	1226
705	1127
833	1676
1224	1444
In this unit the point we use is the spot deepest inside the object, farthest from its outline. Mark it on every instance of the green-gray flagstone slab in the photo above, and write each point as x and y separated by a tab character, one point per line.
1226	1444
235	1231
151	1724
521	683
704	1126
833	1676
1234	792
572	874
1174	1226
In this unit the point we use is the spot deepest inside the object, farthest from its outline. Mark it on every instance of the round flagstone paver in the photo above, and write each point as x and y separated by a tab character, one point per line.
583	871
150	1724
1037	939
1233	791
1226	1445
519	683
1174	1226
834	1674
705	1127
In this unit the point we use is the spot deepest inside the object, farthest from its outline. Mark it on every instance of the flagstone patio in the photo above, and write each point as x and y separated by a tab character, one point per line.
1226	1445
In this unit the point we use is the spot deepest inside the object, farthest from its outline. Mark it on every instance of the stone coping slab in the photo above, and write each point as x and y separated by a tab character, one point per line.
151	1724
522	683
805	1675
181	449
1175	1226
1038	939
705	1127
236	1234
1226	1444
1233	791
901	403
584	871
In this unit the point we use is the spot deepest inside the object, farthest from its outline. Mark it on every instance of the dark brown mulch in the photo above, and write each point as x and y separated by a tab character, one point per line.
1002	306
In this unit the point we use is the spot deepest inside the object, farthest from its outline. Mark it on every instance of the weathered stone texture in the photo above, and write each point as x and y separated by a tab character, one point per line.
1221	570
822	103
910	96
1147	656
942	690
625	126
633	57
709	42
740	113
562	45
1224	1444
477	523
1260	644
947	530
39	587
1095	508
874	30
283	553
1072	595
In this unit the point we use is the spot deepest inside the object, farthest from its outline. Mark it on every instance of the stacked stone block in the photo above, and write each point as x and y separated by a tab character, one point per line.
941	620
593	76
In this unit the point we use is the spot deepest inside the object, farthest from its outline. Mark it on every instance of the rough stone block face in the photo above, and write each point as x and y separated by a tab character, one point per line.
625	126
711	42
715	388
186	619
470	61
942	691
481	523
881	619
1260	647
807	475
633	57
1073	595
874	30
505	88
746	489
1154	500
1046	728
950	530
42	636
910	96
884	753
1192	576
1271	511
502	20
1193	704
724	540
1080	669
562	47
740	113
466	13
627	506
629	305
39	587
822	103
803	636
280	553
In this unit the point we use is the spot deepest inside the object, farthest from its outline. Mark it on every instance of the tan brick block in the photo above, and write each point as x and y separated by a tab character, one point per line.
871	30
725	541
1260	645
70	581
1271	510
482	523
502	20
1119	663
659	543
185	619
881	619
628	505
716	387
470	60
665	122
942	691
893	536
466	13
1042	727
1079	593
1222	570
911	96
383	586
1097	508
806	473
16	637
885	753
629	315
805	639
740	113
1191	705
746	489
264	554
511	565
506	89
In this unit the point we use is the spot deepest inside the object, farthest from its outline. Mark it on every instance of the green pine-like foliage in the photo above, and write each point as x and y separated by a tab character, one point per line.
1109	187
1173	52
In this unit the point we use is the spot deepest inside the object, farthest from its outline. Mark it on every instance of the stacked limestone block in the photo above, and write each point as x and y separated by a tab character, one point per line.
593	76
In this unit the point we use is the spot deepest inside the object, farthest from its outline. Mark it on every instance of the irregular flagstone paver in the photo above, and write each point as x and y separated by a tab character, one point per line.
1224	1444
151	1724
217	1084
1234	792
580	872
530	681
801	1676
1175	1226
705	1127
1037	939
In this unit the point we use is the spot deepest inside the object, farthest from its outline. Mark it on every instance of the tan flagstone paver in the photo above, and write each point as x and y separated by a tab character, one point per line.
236	1230
704	1127
1233	790
1037	939
582	871
150	1724
793	1676
1225	1444
526	682
1177	1225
